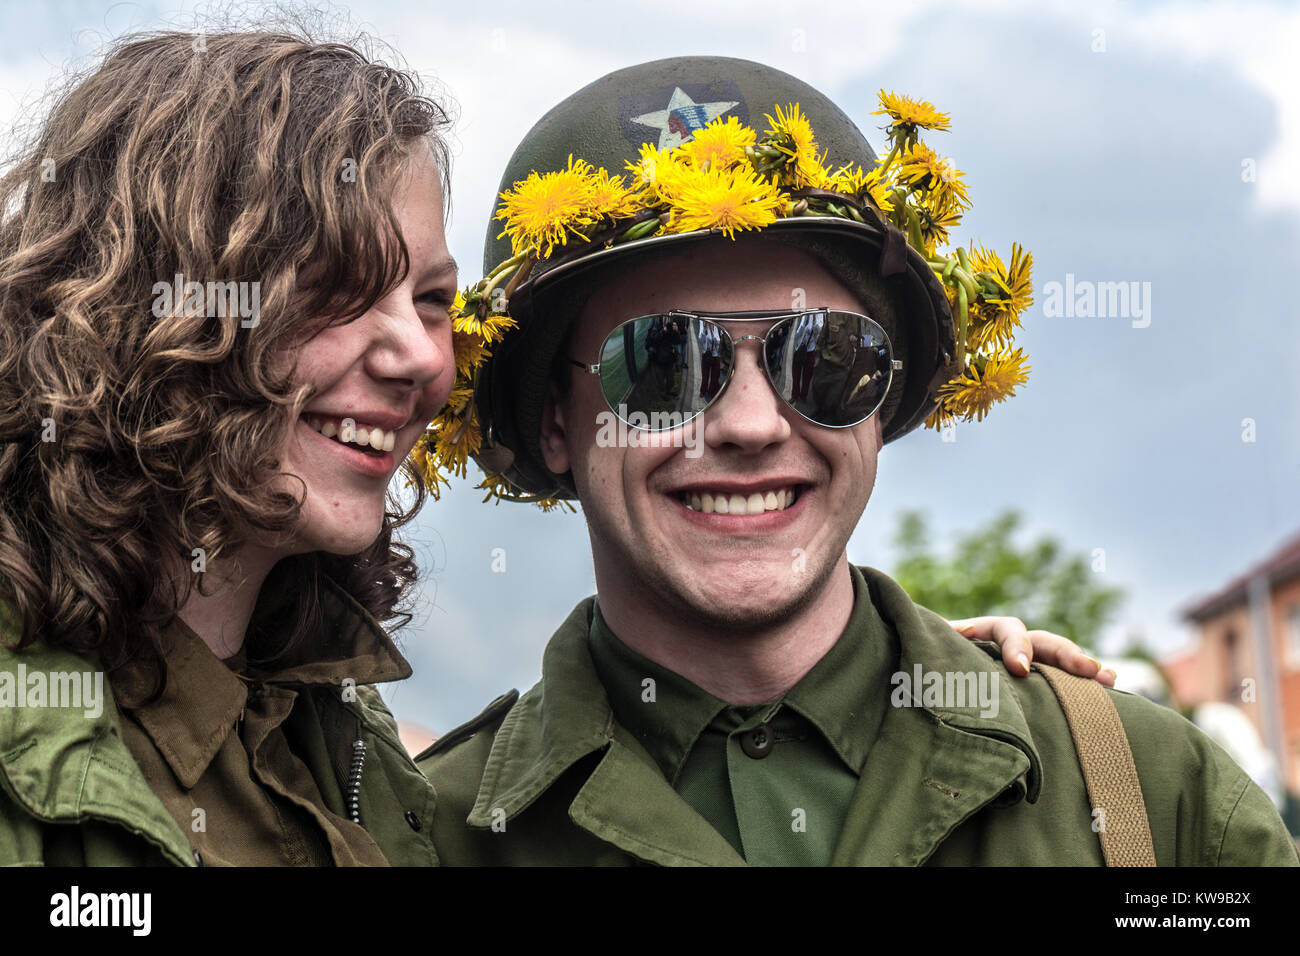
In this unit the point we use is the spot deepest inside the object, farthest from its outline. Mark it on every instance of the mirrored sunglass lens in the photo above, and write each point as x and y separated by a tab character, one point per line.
831	367
659	371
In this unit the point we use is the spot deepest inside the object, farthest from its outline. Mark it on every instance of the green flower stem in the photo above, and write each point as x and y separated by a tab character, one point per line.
965	262
967	283
961	322
525	269
512	261
914	229
640	230
889	160
501	272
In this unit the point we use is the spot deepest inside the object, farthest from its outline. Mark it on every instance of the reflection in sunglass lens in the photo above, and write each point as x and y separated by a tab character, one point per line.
664	368
831	367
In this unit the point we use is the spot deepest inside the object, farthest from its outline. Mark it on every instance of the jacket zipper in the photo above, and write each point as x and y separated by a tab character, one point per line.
354	777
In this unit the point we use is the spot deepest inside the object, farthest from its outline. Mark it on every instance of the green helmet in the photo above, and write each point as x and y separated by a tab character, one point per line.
664	102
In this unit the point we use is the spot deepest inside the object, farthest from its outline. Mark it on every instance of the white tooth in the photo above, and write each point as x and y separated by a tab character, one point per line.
313	424
696	504
789	497
390	440
721	505
347	430
706	502
377	439
361	436
736	505
328	428
770	502
755	504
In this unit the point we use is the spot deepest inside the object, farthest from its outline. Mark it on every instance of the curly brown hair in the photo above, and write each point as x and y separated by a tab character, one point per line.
128	440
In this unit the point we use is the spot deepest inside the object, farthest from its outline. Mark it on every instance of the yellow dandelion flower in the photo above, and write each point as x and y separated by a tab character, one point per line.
862	185
455	439
937	214
543	210
461	394
985	382
496	487
718	144
657	171
610	196
907	116
725	199
923	170
939	418
555	504
1004	294
490	328
434	480
470	351
792	134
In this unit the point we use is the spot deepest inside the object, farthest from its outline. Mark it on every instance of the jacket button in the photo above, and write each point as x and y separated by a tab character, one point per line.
198	858
757	743
413	820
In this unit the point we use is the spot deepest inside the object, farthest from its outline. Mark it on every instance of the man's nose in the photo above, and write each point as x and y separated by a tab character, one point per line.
749	415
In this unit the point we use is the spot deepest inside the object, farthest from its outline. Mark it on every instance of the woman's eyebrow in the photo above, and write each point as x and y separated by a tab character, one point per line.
440	268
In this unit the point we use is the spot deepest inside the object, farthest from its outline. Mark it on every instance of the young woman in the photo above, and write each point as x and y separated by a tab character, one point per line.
224	286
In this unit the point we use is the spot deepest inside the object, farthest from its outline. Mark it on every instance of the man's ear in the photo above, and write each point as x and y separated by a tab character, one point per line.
554	436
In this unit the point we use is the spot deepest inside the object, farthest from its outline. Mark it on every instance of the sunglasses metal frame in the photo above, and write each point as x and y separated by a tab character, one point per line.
719	318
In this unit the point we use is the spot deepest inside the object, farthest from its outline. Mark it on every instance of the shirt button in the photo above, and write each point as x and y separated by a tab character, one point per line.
413	820
757	743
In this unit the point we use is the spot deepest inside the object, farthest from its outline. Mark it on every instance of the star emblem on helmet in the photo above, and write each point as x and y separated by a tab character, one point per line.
682	117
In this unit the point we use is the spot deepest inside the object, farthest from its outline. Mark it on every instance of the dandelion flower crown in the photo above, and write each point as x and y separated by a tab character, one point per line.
729	179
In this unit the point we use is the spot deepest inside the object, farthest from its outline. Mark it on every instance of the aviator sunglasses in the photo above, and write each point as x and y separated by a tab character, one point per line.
659	371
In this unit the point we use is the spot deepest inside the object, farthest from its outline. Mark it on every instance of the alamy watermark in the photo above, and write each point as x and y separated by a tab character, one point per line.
647	430
74	908
1085	299
210	299
949	689
72	689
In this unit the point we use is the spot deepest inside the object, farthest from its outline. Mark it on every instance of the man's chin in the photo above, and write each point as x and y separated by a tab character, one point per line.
741	601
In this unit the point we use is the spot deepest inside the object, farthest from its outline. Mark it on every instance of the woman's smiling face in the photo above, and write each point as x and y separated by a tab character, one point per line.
378	380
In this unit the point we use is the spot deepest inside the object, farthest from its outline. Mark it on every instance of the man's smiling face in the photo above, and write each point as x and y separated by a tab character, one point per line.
729	571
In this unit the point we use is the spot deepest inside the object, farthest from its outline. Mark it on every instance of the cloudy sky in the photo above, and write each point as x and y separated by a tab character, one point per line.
1121	142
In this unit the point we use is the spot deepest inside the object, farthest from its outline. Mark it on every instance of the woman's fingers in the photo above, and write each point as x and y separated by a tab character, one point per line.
1021	646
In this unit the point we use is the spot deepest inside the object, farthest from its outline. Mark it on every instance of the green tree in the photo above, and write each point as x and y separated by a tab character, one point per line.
988	573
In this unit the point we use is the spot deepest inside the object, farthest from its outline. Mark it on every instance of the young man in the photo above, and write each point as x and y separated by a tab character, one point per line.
738	692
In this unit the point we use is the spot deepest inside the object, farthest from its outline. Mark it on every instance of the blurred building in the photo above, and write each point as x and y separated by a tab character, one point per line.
1247	655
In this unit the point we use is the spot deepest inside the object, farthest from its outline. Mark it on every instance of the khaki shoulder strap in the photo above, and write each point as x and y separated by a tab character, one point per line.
1108	768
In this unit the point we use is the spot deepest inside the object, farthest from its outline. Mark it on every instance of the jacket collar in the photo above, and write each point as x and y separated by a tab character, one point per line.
203	697
63	766
934	763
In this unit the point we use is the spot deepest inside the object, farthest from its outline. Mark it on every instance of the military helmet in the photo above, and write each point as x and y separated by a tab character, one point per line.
664	102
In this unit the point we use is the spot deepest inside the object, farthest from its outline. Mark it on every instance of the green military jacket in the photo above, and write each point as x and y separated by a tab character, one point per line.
552	778
71	794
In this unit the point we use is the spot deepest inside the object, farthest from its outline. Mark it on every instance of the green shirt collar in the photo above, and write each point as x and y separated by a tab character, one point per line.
840	696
